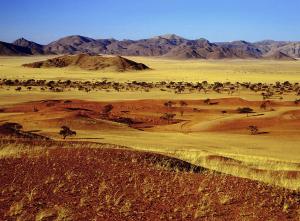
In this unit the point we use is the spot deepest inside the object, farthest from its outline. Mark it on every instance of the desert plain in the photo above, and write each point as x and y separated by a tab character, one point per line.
221	137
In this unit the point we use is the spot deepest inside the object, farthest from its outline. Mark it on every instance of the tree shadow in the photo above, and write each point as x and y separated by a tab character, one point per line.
262	132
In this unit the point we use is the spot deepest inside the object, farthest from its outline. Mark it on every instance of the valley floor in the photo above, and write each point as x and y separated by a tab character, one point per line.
148	152
199	133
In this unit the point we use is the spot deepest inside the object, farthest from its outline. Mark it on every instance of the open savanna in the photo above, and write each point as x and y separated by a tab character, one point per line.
132	163
204	135
163	69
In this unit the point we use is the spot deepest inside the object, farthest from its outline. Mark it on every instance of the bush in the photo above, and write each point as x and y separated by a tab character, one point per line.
253	129
168	117
11	126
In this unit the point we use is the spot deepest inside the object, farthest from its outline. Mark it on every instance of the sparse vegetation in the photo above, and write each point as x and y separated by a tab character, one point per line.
80	178
168	116
169	104
253	129
268	91
183	104
107	110
66	132
95	193
245	110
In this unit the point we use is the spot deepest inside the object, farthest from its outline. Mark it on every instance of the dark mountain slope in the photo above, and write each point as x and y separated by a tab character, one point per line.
7	49
169	45
35	48
278	55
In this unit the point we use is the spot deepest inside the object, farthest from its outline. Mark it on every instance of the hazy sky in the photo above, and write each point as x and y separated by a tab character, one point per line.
217	20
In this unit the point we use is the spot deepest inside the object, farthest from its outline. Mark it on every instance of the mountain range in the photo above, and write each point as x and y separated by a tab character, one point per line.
170	46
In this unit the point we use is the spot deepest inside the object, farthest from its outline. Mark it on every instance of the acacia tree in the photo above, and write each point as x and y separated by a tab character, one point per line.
245	110
66	132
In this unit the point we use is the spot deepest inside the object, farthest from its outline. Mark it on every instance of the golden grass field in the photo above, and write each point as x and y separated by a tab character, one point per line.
256	157
164	69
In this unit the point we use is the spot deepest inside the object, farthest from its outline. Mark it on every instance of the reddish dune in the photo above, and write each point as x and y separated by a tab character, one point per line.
112	184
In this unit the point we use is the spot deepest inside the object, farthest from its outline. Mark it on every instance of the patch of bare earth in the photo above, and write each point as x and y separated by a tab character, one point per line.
118	184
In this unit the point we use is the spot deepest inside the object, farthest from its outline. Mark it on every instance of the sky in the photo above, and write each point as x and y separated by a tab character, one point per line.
44	21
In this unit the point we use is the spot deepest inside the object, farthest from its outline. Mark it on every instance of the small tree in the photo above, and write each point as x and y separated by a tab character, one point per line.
264	105
245	110
168	117
223	111
207	101
106	111
66	132
182	104
253	129
231	90
169	104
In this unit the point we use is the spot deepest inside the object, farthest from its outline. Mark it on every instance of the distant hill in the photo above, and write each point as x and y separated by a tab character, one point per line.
201	48
156	46
242	49
90	62
270	47
7	49
170	45
35	48
77	44
278	55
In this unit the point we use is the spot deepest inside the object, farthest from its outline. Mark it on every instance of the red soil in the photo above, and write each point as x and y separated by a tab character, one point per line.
75	109
115	184
144	114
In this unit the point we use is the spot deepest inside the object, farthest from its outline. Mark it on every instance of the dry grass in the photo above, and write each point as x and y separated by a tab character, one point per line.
11	148
266	169
133	188
18	149
8	97
164	69
259	153
248	167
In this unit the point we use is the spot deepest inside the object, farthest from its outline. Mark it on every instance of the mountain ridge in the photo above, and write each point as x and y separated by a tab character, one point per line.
169	45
